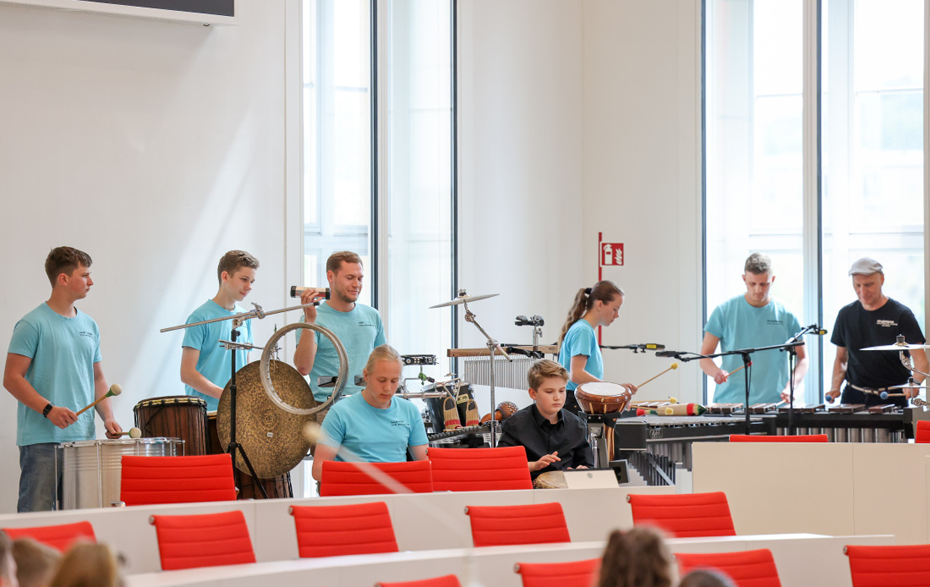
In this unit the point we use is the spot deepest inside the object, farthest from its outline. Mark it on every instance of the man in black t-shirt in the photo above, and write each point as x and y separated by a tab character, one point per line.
873	320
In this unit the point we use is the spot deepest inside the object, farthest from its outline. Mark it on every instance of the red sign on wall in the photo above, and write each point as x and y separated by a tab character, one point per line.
611	254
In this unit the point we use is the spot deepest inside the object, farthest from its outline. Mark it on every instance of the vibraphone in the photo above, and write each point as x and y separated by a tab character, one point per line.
852	423
656	445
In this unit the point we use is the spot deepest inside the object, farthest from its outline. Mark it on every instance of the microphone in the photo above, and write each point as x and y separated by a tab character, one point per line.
297	291
531	321
667	353
636	347
814	329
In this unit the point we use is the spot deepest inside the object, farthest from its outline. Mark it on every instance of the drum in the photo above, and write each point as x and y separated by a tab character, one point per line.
550	480
277	487
182	416
92	468
601	397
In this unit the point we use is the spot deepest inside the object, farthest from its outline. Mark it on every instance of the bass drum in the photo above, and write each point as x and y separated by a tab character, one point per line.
275	488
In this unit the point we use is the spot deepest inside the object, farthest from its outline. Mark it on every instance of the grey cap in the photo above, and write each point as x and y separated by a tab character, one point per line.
865	266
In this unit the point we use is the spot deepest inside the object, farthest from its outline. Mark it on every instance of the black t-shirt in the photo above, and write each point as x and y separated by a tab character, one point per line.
857	328
569	436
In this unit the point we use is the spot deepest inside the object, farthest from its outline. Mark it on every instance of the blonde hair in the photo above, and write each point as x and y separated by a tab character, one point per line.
603	291
384	352
36	563
88	565
544	369
638	558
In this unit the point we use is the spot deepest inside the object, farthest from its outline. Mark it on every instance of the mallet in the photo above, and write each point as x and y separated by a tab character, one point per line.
672	368
115	389
132	433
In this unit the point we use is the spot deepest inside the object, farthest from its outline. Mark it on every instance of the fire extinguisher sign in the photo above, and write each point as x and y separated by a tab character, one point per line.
611	254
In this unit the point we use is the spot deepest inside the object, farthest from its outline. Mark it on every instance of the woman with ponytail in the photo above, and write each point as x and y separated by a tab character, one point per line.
579	351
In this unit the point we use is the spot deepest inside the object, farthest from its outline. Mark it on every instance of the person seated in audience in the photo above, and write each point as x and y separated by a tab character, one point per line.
553	438
373	426
637	558
7	564
706	578
87	564
36	563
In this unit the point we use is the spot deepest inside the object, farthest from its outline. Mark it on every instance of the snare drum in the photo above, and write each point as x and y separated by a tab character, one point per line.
182	416
248	489
92	468
602	397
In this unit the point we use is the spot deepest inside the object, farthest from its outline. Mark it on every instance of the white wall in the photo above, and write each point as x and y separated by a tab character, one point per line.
153	146
577	118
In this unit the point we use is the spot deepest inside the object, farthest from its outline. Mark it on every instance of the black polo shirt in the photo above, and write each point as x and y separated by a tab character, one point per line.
569	436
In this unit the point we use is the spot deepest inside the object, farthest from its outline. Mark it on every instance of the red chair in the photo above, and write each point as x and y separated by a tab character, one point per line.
747	568
203	540
480	469
444	581
153	480
502	525
923	431
334	530
570	574
59	537
879	566
773	438
689	515
340	478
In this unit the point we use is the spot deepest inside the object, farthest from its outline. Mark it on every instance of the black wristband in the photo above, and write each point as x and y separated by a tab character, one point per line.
48	408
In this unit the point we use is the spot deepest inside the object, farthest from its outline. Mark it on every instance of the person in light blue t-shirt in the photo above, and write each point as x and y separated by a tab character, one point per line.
753	320
54	369
375	425
579	351
206	366
356	325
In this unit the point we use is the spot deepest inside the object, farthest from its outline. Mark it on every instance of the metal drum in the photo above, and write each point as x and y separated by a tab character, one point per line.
92	468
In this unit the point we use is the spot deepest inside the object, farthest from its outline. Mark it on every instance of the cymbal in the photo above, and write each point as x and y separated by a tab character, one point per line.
909	386
463	300
897	347
272	438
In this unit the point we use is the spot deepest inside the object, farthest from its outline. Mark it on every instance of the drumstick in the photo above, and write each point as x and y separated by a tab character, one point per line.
115	389
672	368
736	370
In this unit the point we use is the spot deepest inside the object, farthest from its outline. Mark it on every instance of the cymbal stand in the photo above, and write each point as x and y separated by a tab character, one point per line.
493	347
234	445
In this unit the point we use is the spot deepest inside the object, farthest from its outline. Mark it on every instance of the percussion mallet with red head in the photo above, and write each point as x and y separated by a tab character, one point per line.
115	389
672	368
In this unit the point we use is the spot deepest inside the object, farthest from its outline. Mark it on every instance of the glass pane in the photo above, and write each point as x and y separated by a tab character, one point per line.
754	146
420	186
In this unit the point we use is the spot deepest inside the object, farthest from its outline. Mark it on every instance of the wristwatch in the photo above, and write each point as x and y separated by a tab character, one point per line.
48	408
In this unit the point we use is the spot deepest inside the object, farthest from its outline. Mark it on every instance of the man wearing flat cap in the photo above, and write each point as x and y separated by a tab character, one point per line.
873	320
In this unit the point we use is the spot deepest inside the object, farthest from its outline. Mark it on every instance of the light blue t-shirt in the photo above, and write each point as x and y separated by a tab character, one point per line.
215	362
63	352
581	340
739	325
359	331
373	434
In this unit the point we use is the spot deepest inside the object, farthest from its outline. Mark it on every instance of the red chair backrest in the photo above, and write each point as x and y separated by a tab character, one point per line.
880	566
60	537
687	515
495	525
923	431
480	469
747	568
444	581
203	540
339	478
570	574
773	438
334	530
153	480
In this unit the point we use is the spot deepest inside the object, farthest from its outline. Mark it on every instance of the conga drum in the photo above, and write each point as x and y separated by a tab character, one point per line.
550	480
183	417
279	486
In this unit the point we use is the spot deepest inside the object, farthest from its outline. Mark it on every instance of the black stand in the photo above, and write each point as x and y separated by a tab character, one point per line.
792	365
234	446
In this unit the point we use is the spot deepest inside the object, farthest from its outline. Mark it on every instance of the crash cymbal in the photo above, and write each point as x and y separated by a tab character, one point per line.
272	438
462	300
897	347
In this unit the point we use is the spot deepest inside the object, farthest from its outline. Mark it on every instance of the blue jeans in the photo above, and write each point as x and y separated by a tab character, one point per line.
40	479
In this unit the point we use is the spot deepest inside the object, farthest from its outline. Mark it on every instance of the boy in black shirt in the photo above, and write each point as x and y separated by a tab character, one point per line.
553	438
